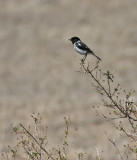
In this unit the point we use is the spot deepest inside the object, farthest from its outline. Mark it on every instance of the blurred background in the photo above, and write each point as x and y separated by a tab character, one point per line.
38	67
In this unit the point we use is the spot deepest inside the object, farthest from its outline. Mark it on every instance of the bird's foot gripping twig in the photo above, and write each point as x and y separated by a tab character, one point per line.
83	59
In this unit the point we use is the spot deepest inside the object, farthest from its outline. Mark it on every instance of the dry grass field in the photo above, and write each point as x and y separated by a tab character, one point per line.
38	67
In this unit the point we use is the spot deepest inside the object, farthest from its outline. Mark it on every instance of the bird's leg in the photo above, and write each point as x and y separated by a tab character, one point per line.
84	58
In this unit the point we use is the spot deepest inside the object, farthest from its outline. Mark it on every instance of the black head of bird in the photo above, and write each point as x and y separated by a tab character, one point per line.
74	39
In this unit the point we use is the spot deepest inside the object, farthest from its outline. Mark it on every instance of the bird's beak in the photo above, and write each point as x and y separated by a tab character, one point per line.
69	39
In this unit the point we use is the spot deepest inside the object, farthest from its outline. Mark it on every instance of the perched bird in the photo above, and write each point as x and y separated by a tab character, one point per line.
82	48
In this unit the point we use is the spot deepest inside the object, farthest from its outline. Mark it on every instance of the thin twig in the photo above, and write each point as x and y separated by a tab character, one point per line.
37	142
116	148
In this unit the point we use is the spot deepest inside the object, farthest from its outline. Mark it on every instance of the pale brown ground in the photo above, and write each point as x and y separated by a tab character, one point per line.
38	67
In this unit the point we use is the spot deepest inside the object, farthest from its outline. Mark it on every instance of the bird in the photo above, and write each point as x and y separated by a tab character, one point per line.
82	48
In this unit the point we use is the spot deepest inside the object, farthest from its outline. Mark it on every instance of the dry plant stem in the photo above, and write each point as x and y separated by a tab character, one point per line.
89	72
116	148
27	152
98	156
113	142
113	118
37	142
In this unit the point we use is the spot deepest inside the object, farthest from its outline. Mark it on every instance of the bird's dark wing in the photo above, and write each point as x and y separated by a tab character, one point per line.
83	46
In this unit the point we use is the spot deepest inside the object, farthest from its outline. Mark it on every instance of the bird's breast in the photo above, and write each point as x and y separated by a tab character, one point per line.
83	52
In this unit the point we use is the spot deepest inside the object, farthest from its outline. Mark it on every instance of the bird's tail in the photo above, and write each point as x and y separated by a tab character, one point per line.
95	55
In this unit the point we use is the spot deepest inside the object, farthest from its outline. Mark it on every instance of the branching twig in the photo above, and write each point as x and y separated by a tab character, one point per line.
37	142
120	108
